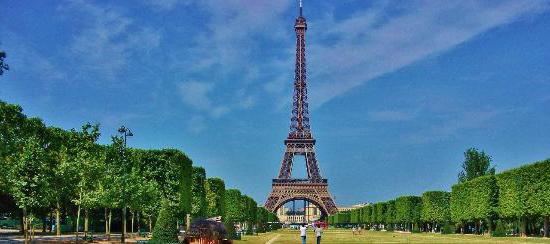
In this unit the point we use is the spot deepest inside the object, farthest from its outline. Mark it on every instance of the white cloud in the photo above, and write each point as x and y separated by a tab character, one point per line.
197	95
391	115
370	43
455	122
25	60
166	5
232	32
196	124
108	39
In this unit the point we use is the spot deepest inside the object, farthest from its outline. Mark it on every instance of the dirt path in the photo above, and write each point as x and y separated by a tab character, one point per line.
272	240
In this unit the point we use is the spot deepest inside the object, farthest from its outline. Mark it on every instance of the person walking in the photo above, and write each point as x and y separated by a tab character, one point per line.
318	233
303	229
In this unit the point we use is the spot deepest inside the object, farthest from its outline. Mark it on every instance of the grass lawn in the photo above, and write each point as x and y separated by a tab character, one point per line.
345	236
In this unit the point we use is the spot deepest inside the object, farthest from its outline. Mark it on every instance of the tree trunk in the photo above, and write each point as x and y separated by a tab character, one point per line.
150	224
22	223
57	219
50	222
546	220
44	224
138	222
25	232
106	218
523	229
123	236
31	228
86	222
132	222
109	226
77	222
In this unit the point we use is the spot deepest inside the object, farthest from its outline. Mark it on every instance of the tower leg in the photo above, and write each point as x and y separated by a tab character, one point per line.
305	220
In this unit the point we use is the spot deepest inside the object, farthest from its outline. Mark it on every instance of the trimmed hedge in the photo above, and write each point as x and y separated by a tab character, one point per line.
436	207
524	193
198	201
389	216
408	210
215	197
165	230
475	201
518	194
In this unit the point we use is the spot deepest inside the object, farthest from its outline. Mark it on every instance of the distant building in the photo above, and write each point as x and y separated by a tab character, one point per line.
343	209
286	216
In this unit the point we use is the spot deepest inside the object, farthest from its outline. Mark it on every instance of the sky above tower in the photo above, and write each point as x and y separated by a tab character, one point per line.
398	90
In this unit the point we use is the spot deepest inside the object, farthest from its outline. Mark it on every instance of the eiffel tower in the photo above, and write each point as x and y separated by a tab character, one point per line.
300	142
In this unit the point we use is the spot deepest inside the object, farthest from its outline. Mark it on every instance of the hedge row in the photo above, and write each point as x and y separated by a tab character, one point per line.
47	171
520	195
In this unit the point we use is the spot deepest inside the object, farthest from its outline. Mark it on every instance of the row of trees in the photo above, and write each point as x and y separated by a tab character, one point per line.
516	200
47	171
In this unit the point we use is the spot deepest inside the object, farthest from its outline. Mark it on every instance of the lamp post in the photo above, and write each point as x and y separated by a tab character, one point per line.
125	132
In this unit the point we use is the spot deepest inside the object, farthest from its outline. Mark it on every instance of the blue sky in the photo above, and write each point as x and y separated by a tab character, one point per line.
398	89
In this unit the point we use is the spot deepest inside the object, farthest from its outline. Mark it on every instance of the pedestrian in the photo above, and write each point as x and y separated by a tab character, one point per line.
303	229
353	230
318	233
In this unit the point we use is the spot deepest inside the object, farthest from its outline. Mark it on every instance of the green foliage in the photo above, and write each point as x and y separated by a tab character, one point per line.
525	191
198	204
474	200
379	212
448	228
408	209
172	171
251	208
3	65
436	206
475	164
389	215
262	219
355	215
272	217
342	218
368	214
165	230
250	212
29	181
46	167
215	197
234	206
500	230
15	131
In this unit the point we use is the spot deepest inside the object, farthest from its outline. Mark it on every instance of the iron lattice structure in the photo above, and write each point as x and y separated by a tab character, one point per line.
300	142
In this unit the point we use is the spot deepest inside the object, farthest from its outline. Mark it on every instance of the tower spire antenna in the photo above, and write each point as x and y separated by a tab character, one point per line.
300	8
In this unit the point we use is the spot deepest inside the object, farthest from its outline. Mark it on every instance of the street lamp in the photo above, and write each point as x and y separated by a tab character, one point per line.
125	132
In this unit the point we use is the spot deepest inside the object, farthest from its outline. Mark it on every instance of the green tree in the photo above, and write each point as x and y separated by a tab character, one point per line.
408	210
524	194
198	204
234	206
367	215
436	207
215	197
165	230
62	177
29	180
379	210
3	65
389	215
475	200
475	164
89	162
251	208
